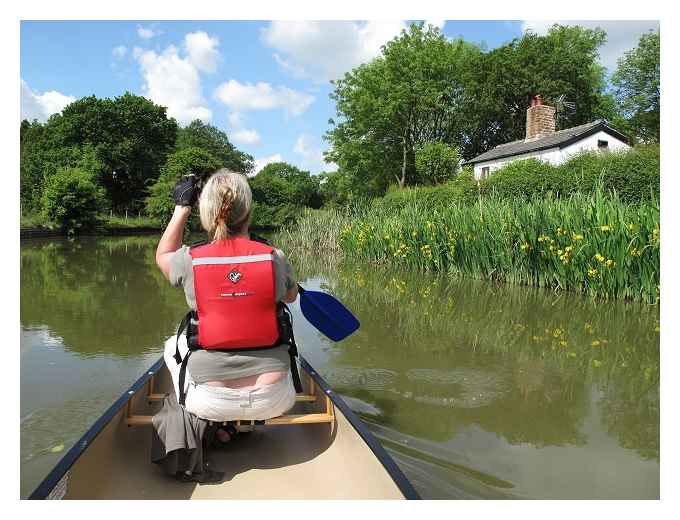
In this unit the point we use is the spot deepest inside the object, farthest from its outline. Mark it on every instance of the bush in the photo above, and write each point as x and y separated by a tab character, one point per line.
280	193
437	162
461	190
634	175
71	199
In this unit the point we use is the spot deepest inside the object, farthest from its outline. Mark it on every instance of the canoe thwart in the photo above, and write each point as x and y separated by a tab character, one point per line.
298	398
304	418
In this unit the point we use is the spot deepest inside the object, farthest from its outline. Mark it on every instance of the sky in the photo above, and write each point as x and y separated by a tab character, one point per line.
266	84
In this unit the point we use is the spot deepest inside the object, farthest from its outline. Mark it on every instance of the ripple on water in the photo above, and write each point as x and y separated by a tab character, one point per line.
367	378
474	388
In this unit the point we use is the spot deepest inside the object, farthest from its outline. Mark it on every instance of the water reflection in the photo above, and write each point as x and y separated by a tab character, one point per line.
477	390
436	359
99	295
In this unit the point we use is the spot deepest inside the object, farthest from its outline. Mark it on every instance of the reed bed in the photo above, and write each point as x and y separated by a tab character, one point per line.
316	232
593	243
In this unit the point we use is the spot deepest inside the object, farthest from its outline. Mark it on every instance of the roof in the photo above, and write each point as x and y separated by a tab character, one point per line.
559	139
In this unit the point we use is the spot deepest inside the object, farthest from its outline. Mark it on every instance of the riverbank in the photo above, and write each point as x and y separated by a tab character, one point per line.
593	244
32	227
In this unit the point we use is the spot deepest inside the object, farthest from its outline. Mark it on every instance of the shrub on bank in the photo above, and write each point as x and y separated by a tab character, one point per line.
71	199
634	175
462	190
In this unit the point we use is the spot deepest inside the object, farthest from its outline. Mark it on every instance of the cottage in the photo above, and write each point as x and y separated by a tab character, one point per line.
544	143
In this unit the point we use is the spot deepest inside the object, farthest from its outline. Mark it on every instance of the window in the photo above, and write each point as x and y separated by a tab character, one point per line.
485	172
601	144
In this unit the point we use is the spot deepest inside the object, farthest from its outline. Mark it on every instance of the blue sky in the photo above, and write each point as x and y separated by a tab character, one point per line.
266	84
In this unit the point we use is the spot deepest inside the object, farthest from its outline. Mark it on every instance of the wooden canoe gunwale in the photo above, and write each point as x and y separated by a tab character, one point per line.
69	459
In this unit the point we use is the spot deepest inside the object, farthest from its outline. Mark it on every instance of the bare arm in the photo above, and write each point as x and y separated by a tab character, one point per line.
172	237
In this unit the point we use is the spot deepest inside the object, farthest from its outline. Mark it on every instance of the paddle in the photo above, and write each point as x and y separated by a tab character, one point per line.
327	314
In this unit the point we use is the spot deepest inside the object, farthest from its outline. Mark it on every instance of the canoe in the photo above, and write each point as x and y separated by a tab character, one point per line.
318	450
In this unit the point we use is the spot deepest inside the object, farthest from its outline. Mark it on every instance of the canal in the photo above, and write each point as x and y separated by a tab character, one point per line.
477	390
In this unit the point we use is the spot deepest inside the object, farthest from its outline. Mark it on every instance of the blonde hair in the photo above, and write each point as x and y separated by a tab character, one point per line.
225	204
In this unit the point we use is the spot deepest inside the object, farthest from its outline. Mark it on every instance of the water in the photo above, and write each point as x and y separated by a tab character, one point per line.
477	391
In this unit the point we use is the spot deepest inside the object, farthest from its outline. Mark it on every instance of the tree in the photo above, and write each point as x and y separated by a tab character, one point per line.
437	162
411	94
562	63
159	203
132	137
41	157
638	89
280	191
200	135
72	199
336	188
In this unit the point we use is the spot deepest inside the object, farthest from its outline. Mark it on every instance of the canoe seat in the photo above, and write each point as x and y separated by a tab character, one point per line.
327	416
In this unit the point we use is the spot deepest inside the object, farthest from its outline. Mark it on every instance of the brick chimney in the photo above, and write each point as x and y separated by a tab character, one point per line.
540	119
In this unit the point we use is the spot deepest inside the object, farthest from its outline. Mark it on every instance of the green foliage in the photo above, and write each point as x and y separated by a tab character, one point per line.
634	175
638	87
71	199
410	95
589	243
131	135
426	89
461	190
213	140
563	62
437	162
280	191
337	189
159	204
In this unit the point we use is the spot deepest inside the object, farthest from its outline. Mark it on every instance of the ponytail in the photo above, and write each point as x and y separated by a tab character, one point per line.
225	204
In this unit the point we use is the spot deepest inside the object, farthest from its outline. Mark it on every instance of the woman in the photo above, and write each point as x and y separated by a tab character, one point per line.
241	366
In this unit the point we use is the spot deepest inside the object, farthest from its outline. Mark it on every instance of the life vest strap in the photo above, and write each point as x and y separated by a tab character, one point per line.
286	337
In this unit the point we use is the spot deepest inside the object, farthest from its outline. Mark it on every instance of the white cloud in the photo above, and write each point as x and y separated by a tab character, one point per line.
325	50
622	35
119	52
146	33
173	82
264	161
235	119
262	96
312	156
202	50
245	136
294	70
41	106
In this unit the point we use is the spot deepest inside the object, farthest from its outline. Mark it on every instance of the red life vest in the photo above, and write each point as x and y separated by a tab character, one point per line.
235	294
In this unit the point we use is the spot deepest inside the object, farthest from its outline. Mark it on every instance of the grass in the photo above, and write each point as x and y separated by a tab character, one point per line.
317	231
592	243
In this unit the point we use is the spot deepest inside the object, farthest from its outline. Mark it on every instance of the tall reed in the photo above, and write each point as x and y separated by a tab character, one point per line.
591	243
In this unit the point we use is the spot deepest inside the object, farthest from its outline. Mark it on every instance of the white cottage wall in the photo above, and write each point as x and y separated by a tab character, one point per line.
555	156
550	155
590	143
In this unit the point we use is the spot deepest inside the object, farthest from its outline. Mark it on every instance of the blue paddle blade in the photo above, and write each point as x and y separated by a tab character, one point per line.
327	314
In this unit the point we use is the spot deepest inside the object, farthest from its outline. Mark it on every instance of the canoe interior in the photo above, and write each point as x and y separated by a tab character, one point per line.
299	461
